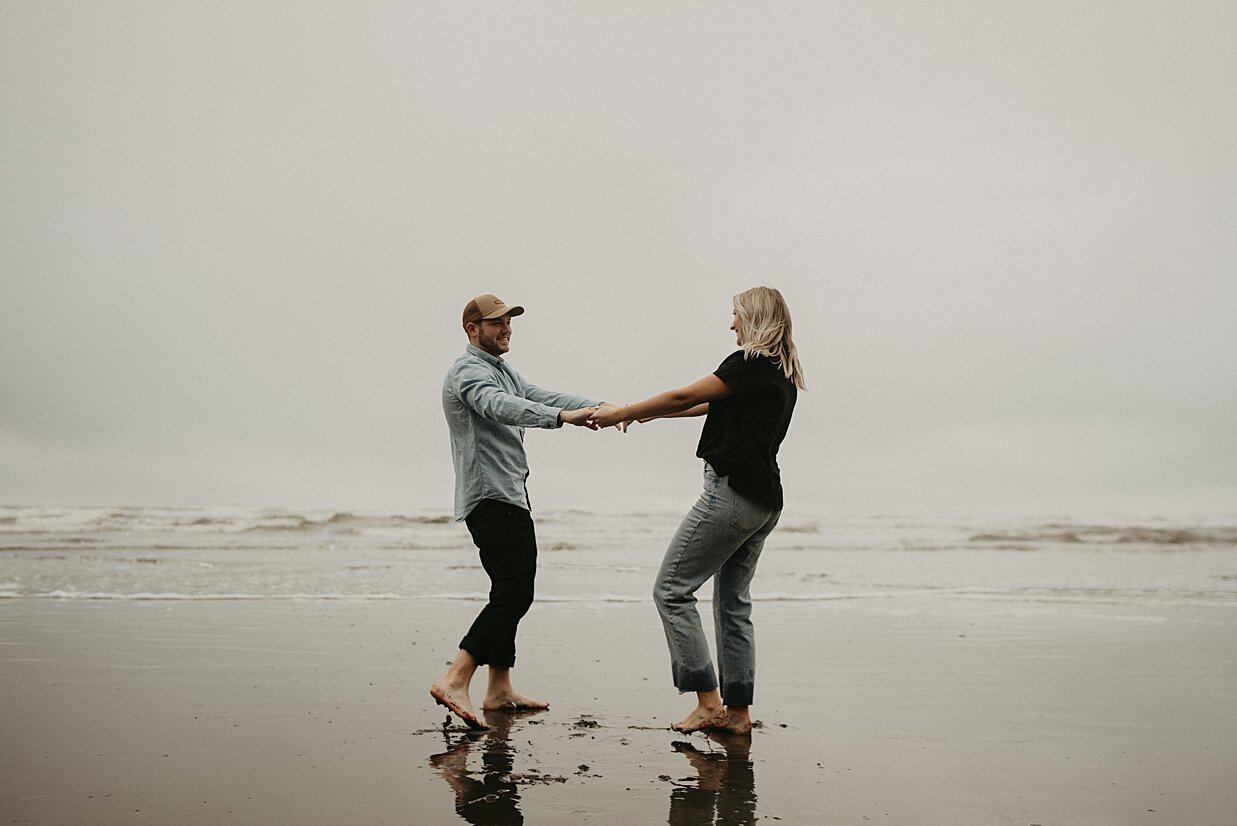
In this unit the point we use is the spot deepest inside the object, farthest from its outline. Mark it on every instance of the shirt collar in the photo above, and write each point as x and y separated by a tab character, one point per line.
473	350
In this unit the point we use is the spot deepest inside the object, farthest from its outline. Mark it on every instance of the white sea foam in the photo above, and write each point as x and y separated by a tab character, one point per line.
207	597
243	554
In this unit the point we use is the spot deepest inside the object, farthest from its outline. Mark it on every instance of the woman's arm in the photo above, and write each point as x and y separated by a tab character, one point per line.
681	402
698	410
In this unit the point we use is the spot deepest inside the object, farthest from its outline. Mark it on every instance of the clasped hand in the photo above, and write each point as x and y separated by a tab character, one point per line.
595	418
607	415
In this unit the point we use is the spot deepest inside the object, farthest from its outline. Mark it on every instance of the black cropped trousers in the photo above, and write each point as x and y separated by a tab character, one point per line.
504	535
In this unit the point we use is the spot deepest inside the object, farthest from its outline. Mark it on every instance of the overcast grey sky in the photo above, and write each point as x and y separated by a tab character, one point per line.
236	237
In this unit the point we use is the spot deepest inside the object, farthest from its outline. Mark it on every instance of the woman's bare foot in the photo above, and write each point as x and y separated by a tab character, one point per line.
738	721
511	702
457	702
703	717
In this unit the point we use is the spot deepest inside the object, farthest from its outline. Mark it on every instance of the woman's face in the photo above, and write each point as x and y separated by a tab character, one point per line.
736	324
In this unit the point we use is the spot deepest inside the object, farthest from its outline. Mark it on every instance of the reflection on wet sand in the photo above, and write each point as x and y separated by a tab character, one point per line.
490	796
724	791
481	769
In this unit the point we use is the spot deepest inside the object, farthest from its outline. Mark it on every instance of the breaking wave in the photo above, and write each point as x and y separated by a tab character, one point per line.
1113	535
203	520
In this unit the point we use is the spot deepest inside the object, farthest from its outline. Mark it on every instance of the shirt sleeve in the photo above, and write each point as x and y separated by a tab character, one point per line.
563	401
741	374
477	388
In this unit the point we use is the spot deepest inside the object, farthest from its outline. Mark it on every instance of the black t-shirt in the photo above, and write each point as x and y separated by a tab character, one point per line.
743	431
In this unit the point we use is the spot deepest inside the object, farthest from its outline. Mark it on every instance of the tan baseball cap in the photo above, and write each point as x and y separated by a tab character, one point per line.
488	306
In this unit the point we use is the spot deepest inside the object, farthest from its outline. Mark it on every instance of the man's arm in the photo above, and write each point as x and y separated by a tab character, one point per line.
480	391
553	398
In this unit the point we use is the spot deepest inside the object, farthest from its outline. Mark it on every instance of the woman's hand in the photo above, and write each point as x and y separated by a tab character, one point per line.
608	415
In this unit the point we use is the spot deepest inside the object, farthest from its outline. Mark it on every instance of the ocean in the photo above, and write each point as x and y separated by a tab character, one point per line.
232	553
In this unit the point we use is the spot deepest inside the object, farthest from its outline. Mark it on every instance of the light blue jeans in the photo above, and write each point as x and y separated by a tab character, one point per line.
721	538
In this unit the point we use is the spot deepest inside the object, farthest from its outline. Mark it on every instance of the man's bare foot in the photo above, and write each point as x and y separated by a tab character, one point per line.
703	718
457	703
509	701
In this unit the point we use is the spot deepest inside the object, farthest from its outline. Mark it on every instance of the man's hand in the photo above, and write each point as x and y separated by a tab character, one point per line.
580	418
608	415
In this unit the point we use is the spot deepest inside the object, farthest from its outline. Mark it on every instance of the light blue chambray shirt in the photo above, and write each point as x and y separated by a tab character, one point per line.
488	405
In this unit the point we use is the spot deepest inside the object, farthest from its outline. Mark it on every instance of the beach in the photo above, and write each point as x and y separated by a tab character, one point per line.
928	705
966	712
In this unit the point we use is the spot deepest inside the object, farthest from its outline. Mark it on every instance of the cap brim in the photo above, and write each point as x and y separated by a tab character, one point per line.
502	311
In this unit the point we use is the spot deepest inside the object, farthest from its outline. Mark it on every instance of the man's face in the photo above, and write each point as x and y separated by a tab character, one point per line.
493	335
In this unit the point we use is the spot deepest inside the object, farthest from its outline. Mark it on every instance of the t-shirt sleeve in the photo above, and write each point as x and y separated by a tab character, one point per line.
740	374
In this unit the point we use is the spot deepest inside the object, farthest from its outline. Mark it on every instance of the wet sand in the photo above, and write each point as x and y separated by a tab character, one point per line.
925	710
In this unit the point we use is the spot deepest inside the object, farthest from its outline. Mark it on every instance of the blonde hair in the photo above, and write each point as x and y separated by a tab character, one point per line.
765	330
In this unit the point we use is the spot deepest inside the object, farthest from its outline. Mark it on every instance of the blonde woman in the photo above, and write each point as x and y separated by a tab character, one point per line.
748	402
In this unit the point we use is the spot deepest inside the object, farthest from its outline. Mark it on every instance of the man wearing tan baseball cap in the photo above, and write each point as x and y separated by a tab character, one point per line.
487	307
488	405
